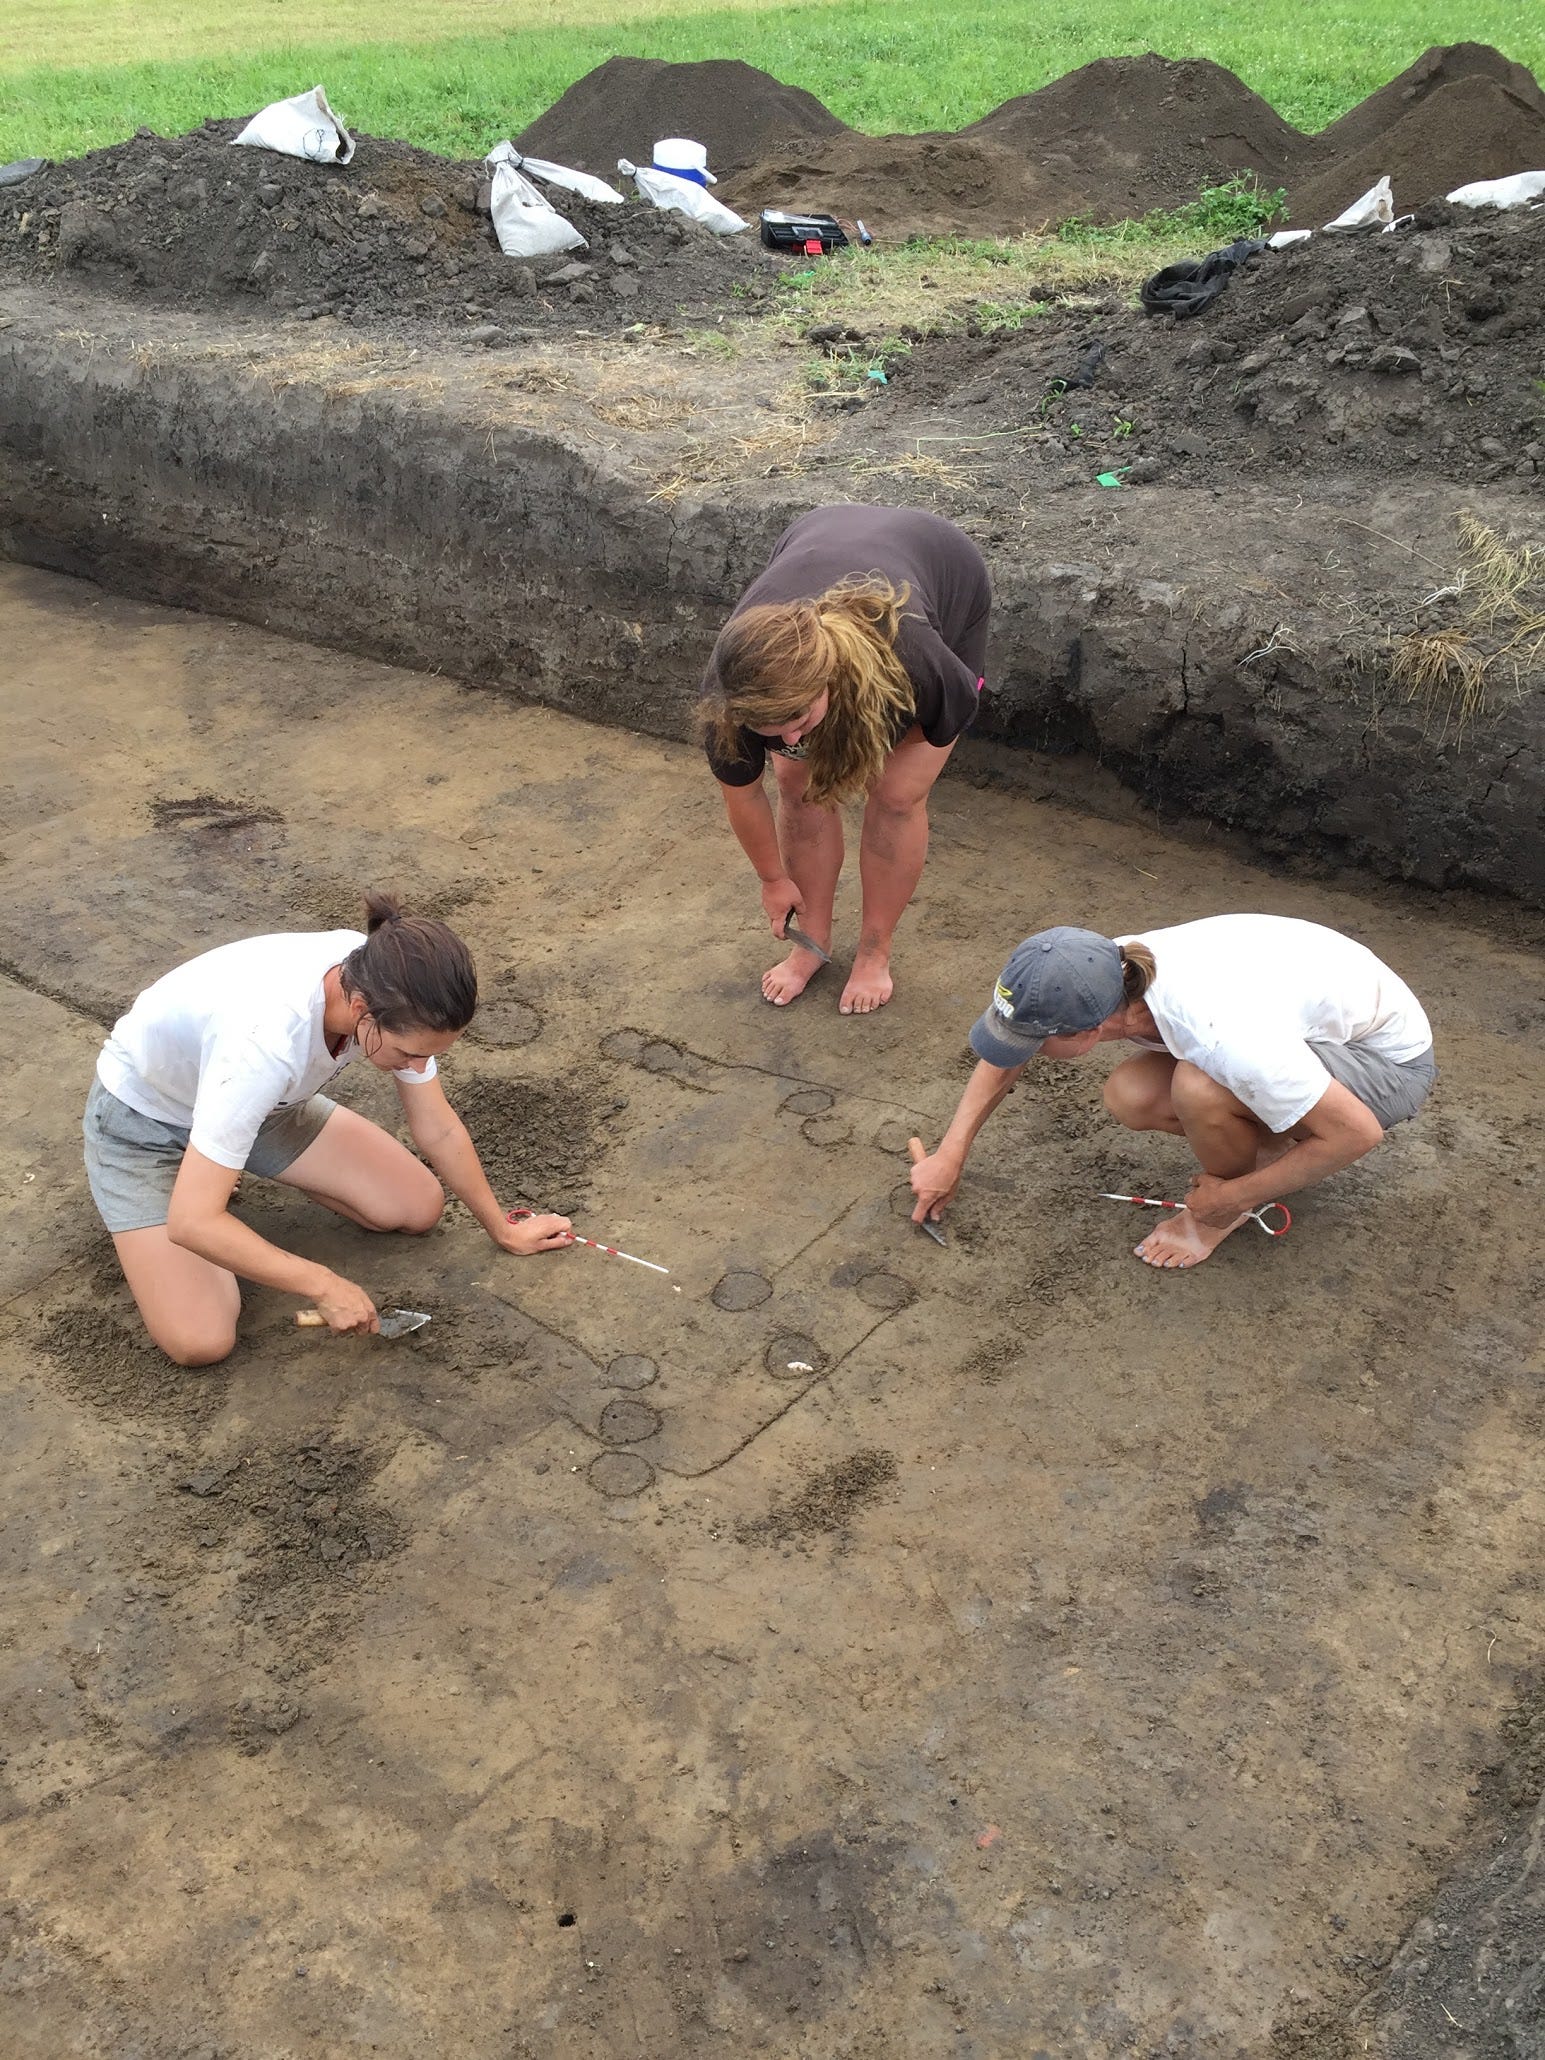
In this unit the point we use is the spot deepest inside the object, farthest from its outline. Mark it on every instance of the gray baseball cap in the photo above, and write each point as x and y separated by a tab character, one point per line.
1056	982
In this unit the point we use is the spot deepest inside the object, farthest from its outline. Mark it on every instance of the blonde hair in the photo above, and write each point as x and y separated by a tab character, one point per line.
1138	967
772	662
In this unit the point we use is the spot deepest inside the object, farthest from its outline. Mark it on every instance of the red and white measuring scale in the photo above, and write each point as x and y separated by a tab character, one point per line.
1257	1216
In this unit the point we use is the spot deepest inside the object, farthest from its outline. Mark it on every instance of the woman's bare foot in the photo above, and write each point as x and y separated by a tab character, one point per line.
869	985
1179	1240
787	981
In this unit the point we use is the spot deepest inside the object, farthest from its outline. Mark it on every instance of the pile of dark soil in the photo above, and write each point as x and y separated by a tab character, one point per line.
626	105
398	237
1473	128
901	186
1125	135
1433	72
1419	350
1150	131
1110	140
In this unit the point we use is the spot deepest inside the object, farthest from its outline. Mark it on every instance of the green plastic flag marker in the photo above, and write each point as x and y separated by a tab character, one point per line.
1109	478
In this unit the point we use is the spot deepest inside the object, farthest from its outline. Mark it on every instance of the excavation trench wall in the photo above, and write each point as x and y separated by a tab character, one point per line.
1217	651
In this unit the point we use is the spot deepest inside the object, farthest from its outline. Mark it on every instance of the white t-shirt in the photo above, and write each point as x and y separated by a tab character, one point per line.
1242	997
216	1046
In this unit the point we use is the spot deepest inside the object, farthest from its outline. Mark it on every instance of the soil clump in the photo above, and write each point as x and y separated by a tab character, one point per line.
395	239
623	107
1414	353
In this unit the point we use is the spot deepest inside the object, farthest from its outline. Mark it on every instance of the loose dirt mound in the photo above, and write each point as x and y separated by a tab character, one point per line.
1418	351
914	185
1113	139
1474	128
1149	130
1443	66
625	105
396	237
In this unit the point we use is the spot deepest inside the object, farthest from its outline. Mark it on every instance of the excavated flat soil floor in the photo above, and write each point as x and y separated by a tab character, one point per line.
872	1650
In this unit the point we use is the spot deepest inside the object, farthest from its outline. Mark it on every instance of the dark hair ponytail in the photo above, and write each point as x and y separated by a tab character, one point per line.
412	972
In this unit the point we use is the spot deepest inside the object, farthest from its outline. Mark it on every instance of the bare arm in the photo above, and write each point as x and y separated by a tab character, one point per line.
199	1220
1337	1130
442	1137
935	1178
751	818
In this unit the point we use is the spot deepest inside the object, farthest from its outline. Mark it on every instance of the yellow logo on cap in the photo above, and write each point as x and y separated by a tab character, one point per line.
1003	1001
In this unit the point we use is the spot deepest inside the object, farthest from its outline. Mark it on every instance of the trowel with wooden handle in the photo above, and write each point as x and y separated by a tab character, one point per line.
395	1323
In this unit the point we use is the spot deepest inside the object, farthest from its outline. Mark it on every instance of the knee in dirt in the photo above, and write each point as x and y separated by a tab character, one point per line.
195	1348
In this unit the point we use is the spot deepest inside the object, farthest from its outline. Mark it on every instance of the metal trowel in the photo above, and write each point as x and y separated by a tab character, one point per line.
395	1323
796	935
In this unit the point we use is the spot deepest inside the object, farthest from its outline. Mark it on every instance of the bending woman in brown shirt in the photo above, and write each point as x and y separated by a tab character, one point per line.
855	662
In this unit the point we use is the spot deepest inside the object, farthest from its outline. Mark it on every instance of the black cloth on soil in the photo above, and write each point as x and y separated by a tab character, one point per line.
1191	284
395	239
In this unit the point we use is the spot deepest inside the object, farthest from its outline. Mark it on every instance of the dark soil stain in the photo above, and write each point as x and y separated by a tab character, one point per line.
828	1501
740	1291
627	1421
118	1371
305	1520
538	1142
620	1474
209	812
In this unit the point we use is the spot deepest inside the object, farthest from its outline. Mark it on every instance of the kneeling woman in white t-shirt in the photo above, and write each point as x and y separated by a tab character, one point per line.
218	1068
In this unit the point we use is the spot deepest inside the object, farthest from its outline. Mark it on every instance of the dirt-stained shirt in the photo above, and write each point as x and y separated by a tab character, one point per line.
942	639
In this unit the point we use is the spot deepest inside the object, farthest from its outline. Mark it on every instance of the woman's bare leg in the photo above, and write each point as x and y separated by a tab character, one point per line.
189	1304
811	842
891	858
354	1167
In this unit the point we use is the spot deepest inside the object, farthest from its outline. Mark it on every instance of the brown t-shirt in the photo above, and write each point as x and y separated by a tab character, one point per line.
942	640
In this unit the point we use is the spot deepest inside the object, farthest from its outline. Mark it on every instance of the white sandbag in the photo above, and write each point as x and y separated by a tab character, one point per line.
1376	210
1516	191
1281	238
304	126
582	183
683	197
525	221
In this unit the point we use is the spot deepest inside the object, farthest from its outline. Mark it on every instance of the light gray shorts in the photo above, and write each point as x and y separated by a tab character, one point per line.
132	1160
1393	1088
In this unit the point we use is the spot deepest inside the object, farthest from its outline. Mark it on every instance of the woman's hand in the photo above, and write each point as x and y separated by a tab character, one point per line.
934	1180
780	900
346	1307
525	1234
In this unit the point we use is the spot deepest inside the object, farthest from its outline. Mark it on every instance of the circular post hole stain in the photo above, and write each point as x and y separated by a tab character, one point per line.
891	1136
624	1044
660	1057
620	1474
826	1130
739	1291
887	1291
627	1422
807	1101
506	1022
793	1356
630	1370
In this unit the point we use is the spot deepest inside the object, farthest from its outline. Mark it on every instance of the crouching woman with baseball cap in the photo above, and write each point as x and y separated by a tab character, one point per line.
218	1067
1281	1051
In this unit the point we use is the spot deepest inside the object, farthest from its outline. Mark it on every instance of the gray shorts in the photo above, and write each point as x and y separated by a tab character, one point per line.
1393	1088
132	1160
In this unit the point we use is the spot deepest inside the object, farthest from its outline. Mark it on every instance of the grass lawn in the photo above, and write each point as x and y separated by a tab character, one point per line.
454	75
